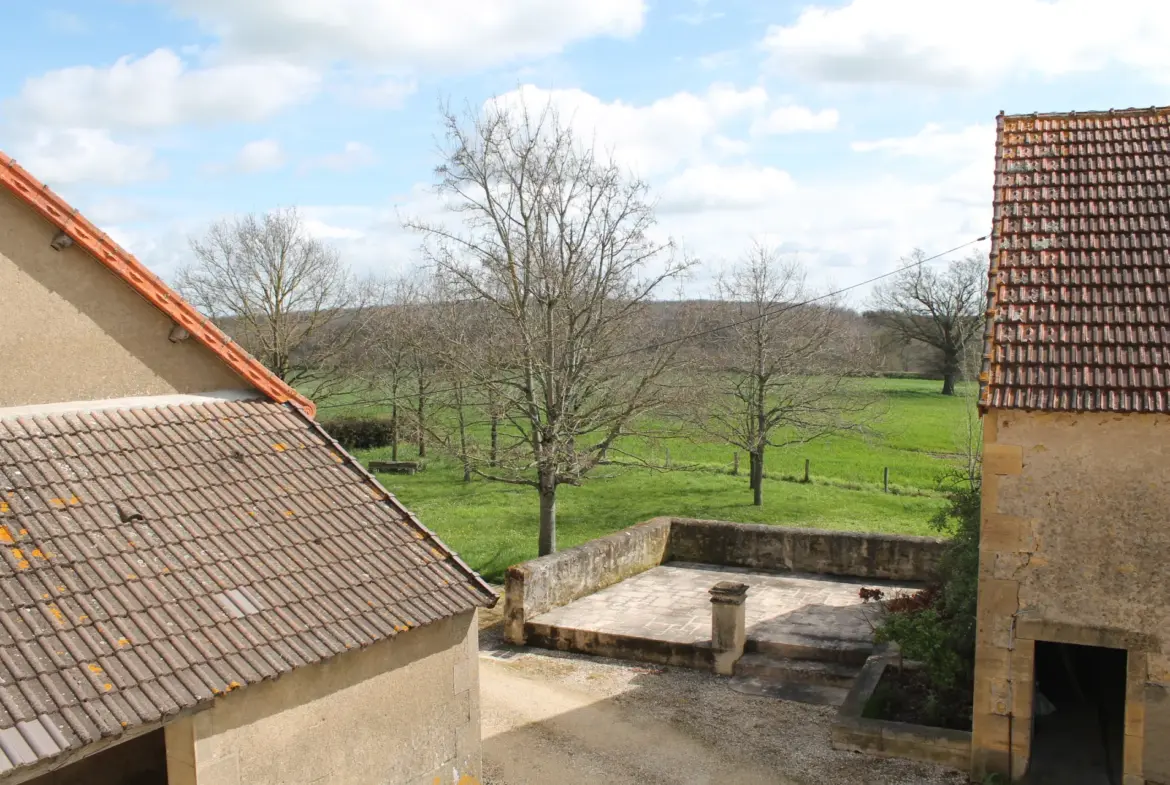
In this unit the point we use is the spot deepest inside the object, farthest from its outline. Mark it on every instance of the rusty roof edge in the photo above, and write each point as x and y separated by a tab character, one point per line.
52	207
992	274
356	465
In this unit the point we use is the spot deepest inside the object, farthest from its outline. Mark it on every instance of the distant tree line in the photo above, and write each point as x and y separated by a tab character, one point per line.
542	330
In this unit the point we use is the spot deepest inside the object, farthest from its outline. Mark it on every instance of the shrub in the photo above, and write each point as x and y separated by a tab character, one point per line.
937	626
360	433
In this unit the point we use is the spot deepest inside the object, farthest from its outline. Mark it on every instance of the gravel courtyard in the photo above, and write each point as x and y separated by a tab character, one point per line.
552	718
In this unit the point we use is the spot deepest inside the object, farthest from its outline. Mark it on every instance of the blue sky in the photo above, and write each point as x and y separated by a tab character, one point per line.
850	131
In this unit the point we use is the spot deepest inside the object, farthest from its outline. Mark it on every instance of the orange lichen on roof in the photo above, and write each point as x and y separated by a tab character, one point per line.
94	667
5	534
279	447
63	502
53	609
4	507
121	263
18	555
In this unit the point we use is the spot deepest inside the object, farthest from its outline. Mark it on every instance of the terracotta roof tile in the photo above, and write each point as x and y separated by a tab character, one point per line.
1079	290
240	569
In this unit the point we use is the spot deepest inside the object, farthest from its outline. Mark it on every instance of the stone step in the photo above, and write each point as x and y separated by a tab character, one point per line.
807	647
785	671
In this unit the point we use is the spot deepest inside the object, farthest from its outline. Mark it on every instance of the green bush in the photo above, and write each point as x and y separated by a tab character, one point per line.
360	433
940	633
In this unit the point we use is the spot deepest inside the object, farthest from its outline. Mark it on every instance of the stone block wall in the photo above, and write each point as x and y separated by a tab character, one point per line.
549	582
1073	537
850	554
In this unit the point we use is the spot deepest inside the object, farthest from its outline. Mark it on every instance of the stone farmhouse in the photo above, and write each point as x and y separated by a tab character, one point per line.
198	586
1073	656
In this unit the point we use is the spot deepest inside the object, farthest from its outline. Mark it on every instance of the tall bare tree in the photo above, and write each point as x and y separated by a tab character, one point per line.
284	295
556	241
390	351
940	309
781	373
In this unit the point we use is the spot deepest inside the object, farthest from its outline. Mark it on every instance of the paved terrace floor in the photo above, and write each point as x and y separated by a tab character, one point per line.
671	603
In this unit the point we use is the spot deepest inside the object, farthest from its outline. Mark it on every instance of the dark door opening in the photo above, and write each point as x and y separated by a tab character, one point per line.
1079	715
139	761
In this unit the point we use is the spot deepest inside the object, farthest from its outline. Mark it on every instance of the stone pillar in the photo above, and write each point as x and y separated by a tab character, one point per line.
728	626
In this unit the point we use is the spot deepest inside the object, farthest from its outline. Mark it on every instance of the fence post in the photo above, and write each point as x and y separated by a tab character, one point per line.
735	464
667	457
806	469
886	479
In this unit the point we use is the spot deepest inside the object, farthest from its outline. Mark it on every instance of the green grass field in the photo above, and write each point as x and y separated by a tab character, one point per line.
918	435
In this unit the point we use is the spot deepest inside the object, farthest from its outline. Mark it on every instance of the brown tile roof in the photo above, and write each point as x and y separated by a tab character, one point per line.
98	244
1079	295
153	558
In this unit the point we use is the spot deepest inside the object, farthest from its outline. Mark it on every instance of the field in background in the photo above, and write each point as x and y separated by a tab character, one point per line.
918	436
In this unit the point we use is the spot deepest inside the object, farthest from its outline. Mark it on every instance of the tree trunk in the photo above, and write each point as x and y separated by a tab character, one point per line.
548	517
752	470
950	374
463	439
758	478
394	423
494	455
422	426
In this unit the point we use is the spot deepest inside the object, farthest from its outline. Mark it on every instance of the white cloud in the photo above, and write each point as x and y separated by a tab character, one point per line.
260	155
381	92
352	156
440	34
972	42
85	155
975	142
795	119
711	188
649	138
160	90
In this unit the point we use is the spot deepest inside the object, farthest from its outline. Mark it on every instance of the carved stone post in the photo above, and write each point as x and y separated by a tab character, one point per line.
728	626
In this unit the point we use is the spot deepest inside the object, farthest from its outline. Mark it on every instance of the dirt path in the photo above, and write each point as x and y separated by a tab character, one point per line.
556	719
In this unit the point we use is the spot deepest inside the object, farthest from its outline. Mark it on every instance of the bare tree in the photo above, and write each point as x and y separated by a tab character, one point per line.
939	309
284	295
556	241
781	373
390	352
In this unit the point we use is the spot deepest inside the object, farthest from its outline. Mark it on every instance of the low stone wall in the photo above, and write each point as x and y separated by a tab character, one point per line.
551	581
757	546
540	585
853	732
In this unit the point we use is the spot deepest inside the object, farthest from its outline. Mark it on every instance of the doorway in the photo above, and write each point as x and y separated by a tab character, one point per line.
1078	713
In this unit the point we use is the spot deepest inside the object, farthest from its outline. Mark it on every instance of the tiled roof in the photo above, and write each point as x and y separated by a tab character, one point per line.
98	244
153	558
1079	295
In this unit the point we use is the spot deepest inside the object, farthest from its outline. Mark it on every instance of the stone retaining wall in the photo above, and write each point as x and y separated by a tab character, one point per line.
537	586
757	546
551	581
853	732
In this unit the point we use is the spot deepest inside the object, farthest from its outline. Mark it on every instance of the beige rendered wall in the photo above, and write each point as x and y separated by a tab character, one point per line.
401	712
71	330
1074	548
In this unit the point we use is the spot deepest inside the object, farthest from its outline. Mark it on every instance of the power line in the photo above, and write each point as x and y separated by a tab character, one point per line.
710	331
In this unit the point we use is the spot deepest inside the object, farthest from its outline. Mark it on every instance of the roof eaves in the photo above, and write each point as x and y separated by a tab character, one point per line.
990	309
41	199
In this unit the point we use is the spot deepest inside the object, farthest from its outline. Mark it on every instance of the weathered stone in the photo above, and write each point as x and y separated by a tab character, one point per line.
758	546
551	581
728	625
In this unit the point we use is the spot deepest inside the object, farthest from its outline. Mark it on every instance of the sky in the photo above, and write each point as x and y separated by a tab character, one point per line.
844	132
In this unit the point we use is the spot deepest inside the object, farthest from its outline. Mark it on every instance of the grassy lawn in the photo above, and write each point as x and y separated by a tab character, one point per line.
494	525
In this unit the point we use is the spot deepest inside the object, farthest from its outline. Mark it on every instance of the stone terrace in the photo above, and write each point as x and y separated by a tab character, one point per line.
671	603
